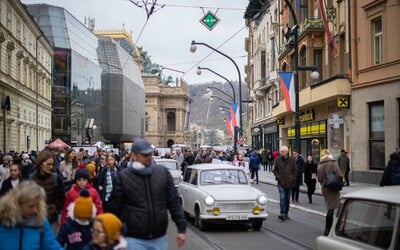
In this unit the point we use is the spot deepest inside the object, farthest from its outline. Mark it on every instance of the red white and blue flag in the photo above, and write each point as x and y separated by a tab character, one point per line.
286	81
234	110
229	126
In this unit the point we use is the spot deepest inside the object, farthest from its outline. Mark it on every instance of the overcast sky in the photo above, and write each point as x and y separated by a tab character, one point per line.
170	30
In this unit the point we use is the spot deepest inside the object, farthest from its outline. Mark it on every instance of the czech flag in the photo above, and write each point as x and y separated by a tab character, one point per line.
229	125
286	81
234	110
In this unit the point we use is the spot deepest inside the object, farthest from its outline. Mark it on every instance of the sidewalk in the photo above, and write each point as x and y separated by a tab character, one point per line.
269	178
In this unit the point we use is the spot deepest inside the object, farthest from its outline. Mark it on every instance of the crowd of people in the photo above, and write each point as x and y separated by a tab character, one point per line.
70	199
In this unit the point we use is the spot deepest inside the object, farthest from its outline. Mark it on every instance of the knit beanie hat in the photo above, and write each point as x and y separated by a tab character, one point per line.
112	225
91	167
83	208
81	173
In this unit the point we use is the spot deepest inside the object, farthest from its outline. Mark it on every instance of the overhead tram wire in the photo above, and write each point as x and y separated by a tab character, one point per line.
209	54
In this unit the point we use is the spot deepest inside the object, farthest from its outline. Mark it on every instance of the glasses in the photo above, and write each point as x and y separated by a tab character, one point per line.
97	232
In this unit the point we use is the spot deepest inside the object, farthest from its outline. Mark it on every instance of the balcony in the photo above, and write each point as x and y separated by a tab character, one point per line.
315	25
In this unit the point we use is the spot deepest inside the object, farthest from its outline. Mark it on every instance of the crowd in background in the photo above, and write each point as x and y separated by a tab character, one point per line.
77	188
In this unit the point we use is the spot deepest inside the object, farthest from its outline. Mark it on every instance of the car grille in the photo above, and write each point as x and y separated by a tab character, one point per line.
232	207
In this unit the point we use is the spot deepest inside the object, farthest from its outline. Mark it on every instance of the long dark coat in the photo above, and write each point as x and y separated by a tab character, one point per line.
332	198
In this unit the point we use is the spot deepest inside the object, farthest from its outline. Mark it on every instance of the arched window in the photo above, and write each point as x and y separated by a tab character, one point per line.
171	122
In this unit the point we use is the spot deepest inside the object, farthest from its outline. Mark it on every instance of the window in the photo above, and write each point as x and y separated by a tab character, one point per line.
9	62
171	122
368	222
263	66
377	31
303	73
318	61
376	135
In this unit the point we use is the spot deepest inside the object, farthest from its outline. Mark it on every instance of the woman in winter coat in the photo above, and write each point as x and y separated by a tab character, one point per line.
331	197
12	181
69	164
52	184
23	219
391	174
310	177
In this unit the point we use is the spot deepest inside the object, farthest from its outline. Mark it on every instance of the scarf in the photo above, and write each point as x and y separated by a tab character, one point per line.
109	184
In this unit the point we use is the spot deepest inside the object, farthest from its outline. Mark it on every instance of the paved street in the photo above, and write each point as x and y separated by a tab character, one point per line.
307	223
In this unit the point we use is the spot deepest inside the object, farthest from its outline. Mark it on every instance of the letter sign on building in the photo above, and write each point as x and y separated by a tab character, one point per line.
209	20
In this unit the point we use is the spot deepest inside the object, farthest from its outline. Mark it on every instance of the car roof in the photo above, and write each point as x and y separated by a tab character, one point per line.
164	160
208	166
388	194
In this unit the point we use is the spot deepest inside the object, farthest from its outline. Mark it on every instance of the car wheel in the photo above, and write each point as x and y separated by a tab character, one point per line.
257	225
201	224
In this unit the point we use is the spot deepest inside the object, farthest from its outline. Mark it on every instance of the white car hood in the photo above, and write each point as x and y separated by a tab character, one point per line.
231	192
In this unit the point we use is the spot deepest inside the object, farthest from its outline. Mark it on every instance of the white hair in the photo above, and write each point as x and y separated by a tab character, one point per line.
284	148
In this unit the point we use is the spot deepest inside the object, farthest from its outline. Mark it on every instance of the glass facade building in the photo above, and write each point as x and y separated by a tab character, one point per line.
97	90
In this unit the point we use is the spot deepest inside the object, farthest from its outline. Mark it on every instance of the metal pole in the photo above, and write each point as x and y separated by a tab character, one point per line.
223	77
240	80
297	143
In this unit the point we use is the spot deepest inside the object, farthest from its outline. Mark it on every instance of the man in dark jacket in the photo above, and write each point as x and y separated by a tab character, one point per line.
285	172
142	194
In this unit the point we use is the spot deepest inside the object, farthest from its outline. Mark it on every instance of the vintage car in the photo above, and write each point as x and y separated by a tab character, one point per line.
173	167
367	219
221	193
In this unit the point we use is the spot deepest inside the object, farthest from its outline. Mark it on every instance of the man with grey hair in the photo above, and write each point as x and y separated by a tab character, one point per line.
285	173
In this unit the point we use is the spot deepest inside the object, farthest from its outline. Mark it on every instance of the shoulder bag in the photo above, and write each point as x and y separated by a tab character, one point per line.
332	181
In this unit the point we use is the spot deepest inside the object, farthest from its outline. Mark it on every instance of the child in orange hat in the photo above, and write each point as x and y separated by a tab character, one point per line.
106	233
76	231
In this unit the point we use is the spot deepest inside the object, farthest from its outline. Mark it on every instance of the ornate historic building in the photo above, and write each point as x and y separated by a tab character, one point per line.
25	80
167	109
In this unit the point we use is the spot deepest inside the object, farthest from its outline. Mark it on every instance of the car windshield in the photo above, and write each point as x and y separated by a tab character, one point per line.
169	164
222	176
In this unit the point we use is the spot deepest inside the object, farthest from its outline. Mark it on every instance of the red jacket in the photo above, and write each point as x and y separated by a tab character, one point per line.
73	194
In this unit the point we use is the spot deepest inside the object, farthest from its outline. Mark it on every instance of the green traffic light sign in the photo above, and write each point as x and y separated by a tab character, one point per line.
209	20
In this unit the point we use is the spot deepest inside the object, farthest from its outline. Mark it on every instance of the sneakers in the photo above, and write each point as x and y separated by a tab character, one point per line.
281	217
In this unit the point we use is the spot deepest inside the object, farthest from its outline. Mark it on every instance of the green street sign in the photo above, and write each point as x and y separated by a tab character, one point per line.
209	20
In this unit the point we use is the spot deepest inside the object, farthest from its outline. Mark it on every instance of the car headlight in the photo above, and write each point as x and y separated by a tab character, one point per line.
209	200
262	199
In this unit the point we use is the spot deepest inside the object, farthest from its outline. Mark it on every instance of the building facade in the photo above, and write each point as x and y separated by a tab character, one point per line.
375	90
25	80
97	93
323	41
167	107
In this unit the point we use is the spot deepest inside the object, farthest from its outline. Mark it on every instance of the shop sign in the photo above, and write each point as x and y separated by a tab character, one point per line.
307	117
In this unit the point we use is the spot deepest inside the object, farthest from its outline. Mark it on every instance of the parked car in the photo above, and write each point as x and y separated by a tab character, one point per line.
172	166
221	193
367	219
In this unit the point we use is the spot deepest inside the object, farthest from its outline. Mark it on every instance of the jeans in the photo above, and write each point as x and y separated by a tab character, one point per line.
141	244
254	172
284	199
271	165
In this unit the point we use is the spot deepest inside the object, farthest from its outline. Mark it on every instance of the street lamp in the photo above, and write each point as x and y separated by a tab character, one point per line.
209	88
315	75
219	98
193	48
223	77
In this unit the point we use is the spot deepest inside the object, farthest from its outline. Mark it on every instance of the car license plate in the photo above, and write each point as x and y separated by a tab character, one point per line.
236	217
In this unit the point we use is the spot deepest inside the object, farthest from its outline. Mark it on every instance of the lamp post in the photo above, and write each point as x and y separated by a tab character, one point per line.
209	88
223	77
294	32
219	98
193	49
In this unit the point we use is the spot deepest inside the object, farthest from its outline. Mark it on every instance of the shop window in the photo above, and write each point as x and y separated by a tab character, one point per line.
376	135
